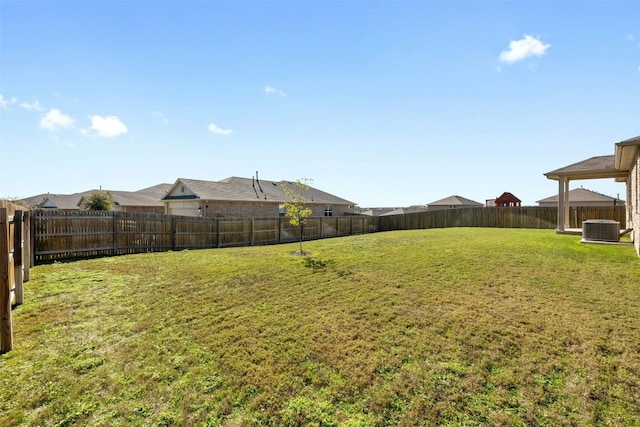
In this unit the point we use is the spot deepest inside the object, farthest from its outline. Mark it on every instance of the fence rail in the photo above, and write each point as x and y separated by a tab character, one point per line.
61	235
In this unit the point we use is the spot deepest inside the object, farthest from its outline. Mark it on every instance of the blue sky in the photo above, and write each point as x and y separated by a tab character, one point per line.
384	103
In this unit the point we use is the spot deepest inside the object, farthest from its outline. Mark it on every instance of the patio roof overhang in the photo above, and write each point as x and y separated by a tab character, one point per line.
598	167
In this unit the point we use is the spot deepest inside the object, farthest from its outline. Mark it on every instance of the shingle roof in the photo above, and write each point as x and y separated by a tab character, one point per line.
245	189
455	201
55	201
595	167
128	198
157	191
409	209
146	197
582	195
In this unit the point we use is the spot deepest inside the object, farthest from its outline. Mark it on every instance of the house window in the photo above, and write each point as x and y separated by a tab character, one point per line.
328	210
281	210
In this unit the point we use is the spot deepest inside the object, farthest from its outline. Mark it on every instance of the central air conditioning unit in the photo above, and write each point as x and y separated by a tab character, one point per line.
600	230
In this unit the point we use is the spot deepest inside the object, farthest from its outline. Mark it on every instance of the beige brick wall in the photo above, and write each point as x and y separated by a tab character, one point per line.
263	209
633	202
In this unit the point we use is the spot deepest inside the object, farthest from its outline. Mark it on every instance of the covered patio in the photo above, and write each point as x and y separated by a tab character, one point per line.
599	167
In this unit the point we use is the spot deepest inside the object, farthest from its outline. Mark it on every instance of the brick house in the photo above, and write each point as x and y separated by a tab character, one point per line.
245	198
627	158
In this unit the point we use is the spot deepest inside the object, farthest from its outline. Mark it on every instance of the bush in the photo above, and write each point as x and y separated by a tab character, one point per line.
99	200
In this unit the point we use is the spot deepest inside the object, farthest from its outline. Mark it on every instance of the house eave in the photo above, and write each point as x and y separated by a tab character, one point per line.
595	174
625	154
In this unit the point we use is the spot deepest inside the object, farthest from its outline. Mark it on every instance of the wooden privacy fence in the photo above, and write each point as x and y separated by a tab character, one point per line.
15	261
503	217
77	234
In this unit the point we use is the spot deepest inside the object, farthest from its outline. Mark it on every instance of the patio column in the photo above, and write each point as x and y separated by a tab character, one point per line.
567	223
560	227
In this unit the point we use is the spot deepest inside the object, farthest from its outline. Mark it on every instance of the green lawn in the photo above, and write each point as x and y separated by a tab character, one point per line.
431	327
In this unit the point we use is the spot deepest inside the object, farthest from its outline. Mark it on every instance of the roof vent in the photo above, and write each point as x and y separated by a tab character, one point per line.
604	230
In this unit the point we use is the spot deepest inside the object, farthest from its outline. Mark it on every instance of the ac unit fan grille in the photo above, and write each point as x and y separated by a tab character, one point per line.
601	230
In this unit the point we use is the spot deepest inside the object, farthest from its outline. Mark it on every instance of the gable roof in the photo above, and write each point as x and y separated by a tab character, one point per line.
245	189
455	201
507	197
583	195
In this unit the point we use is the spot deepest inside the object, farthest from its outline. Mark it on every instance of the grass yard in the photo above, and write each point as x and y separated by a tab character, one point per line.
431	327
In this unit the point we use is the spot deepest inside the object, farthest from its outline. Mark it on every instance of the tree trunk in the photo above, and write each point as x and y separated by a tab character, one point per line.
301	234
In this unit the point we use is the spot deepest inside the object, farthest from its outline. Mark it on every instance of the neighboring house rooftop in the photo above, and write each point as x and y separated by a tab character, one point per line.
55	201
246	189
507	199
583	195
455	201
147	197
409	209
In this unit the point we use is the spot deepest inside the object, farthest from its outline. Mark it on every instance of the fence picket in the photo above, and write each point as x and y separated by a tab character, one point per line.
73	234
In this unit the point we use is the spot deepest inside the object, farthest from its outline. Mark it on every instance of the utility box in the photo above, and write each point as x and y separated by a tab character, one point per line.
601	230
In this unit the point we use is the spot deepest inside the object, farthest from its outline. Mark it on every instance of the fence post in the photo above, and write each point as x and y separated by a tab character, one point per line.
26	250
279	229
32	241
6	329
173	230
252	232
217	232
17	257
115	233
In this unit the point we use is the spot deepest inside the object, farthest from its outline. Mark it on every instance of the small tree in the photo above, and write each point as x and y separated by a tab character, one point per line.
297	210
99	200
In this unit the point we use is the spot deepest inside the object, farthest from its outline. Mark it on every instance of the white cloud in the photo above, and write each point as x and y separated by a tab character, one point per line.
107	127
269	90
4	102
218	131
34	106
55	120
522	49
